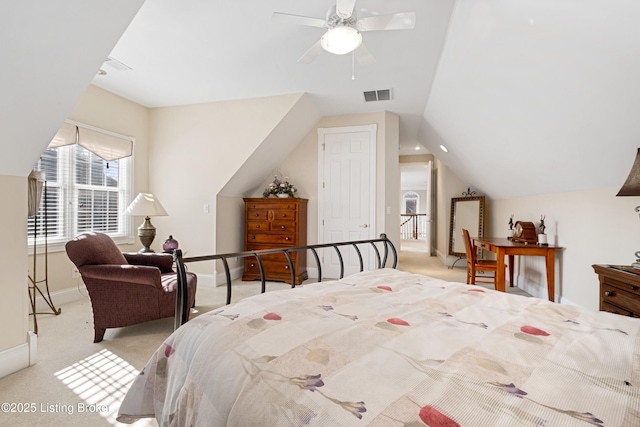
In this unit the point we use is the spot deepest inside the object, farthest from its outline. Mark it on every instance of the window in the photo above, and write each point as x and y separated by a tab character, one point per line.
82	192
411	200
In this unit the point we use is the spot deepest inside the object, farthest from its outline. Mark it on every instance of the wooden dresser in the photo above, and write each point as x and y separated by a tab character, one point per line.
619	291
275	223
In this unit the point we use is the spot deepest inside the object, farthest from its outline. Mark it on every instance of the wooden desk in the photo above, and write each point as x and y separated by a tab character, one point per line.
502	246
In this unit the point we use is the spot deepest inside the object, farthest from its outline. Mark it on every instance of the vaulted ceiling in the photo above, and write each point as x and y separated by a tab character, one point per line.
529	96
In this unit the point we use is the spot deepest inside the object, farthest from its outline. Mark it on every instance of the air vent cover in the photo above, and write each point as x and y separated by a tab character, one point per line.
377	95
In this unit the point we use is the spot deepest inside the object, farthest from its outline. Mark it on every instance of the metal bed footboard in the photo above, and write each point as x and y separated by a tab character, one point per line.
181	291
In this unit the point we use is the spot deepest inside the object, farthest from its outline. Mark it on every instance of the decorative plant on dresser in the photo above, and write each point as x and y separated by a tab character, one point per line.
275	223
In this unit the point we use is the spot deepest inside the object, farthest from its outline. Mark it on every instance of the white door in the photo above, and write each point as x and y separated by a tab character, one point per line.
346	195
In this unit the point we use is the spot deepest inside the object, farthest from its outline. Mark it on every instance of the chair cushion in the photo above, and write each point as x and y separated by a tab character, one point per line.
94	248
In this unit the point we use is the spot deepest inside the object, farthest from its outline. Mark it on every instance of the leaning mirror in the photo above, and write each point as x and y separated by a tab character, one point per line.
466	212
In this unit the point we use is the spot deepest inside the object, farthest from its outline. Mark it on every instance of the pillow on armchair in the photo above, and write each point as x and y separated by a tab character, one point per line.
125	289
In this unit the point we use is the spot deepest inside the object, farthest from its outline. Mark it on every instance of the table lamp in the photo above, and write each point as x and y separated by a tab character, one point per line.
631	187
147	205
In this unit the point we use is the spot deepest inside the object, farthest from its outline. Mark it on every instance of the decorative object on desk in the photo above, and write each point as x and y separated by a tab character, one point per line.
510	231
525	232
280	188
147	205
631	187
170	245
542	238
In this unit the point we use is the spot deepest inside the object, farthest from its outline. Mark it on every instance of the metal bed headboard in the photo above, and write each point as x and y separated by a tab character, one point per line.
181	291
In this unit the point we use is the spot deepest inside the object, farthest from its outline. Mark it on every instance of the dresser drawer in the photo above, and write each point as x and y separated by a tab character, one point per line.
262	214
627	287
276	263
617	310
257	214
258	225
284	215
614	295
274	239
284	227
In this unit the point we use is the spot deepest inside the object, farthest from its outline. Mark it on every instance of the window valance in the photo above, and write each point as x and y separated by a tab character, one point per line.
107	145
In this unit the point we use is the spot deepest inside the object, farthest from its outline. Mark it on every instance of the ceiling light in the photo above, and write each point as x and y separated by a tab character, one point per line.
443	148
417	147
341	39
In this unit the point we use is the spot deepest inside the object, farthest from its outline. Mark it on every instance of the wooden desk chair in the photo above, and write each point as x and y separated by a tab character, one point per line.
474	264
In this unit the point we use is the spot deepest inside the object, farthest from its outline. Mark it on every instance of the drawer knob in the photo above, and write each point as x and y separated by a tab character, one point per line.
282	226
257	214
634	288
253	237
609	293
286	267
287	238
258	226
252	265
284	215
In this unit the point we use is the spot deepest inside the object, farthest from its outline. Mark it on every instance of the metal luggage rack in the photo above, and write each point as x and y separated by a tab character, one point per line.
181	295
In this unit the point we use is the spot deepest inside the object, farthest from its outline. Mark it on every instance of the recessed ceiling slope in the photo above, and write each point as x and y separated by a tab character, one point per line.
196	51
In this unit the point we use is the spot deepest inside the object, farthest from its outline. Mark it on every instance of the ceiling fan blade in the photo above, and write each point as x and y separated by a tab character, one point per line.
396	21
286	18
344	8
363	56
311	54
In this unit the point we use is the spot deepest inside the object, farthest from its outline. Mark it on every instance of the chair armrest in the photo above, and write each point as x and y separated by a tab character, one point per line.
138	274
163	261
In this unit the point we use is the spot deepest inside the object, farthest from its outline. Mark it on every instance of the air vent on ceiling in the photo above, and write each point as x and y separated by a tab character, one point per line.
377	95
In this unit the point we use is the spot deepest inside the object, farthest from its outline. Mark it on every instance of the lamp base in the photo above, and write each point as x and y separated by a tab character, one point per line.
146	233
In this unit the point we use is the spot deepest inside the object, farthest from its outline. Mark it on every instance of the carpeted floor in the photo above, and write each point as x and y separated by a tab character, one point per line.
78	383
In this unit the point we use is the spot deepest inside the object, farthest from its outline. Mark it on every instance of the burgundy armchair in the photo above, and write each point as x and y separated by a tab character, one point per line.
125	288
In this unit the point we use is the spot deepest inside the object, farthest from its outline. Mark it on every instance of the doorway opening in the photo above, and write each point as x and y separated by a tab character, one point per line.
416	218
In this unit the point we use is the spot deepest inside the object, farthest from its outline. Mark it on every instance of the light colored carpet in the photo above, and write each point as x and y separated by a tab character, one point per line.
78	383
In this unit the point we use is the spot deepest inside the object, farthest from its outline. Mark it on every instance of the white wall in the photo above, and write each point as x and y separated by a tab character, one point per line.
13	281
593	227
448	186
196	150
301	166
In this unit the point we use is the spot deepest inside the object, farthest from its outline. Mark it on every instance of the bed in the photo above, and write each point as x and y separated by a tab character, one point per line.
391	348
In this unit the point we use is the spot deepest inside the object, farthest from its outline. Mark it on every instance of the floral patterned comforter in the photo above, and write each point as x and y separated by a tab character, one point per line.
390	348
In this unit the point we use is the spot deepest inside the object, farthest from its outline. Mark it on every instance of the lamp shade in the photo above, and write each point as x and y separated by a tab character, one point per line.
36	181
631	186
341	39
146	204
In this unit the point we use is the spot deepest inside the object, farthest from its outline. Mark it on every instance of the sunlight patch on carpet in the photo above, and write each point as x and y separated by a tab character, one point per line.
101	381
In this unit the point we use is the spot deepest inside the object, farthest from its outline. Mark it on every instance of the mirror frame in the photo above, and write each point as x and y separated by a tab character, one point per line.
452	229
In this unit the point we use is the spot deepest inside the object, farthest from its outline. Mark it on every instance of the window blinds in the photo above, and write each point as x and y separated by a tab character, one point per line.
106	145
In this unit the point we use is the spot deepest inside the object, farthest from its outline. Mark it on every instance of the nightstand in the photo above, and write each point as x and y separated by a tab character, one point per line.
619	290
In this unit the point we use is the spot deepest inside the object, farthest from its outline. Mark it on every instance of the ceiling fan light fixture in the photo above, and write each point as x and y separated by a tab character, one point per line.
341	40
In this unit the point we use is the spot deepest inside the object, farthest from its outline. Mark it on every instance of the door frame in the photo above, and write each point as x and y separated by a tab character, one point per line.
372	129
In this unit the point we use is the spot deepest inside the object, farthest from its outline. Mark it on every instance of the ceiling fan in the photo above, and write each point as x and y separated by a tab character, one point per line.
344	28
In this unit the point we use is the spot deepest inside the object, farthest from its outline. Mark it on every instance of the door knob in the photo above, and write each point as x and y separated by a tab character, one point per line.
364	226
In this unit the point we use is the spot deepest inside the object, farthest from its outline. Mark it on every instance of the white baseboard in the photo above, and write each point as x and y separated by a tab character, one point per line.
19	357
61	297
567	301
